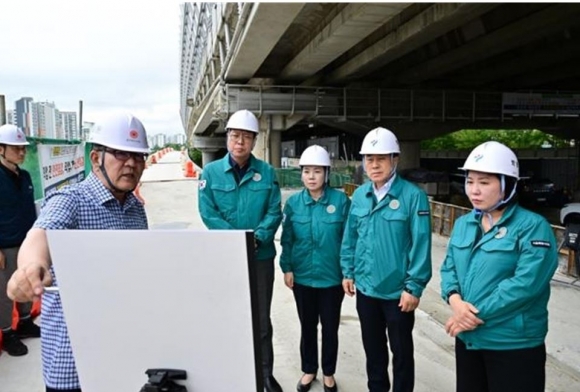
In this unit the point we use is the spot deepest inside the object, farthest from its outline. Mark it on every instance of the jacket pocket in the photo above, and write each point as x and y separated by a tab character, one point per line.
301	225
225	197
396	221
501	256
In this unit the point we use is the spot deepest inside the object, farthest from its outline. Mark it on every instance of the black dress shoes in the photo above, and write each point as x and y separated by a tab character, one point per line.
271	385
333	388
304	387
330	389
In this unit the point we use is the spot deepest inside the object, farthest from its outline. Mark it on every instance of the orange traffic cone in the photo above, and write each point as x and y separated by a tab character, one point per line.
137	194
190	170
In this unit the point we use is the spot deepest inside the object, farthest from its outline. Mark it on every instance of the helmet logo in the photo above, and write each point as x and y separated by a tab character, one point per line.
478	157
374	142
133	134
19	135
515	163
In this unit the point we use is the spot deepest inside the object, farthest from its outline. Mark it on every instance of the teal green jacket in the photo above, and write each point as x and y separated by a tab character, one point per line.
311	236
254	204
386	247
505	273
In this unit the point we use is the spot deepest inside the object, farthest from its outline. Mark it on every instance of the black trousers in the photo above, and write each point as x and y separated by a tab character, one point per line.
314	305
379	318
522	370
265	283
6	304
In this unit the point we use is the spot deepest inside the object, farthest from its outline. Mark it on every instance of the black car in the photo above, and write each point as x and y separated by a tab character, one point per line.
536	191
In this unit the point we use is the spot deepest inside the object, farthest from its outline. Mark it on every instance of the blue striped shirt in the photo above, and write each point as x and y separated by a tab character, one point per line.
87	205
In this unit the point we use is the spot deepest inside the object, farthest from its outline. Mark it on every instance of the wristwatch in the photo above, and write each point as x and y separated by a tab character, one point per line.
449	294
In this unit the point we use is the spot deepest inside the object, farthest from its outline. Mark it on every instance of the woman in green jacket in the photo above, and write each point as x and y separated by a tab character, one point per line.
496	278
312	228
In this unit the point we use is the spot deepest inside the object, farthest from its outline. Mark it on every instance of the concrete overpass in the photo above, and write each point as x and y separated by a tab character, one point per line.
420	69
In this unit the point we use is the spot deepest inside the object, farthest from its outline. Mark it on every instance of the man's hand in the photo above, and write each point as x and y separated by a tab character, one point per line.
289	279
348	287
408	302
27	283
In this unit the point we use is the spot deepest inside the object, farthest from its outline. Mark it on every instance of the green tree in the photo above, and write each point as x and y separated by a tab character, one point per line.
195	156
469	138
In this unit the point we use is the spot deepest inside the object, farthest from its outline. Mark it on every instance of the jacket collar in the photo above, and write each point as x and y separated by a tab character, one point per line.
475	218
227	166
308	200
394	191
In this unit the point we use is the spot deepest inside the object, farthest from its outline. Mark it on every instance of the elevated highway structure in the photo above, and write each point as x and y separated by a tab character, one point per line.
340	69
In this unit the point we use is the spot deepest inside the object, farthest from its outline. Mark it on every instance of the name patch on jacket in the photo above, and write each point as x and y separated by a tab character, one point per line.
541	244
423	212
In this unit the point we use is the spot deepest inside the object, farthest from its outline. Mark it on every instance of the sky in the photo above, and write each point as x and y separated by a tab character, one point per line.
122	55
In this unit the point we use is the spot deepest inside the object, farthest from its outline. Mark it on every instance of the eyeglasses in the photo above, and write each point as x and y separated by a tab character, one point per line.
126	155
245	137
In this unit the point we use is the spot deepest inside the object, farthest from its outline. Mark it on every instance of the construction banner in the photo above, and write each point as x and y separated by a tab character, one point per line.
60	165
54	163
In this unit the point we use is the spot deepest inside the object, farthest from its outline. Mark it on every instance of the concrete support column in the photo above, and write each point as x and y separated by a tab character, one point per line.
269	141
278	123
410	154
208	156
260	150
275	147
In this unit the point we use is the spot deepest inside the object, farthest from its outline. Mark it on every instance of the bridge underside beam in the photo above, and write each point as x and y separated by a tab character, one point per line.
539	24
354	23
509	65
266	24
433	22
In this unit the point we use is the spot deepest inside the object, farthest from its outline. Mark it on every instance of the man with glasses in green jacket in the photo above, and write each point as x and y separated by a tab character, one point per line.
241	192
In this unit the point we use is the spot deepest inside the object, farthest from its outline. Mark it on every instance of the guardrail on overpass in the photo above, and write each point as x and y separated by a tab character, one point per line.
377	104
366	103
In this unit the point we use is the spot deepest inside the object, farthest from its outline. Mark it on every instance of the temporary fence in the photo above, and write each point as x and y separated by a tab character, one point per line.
291	178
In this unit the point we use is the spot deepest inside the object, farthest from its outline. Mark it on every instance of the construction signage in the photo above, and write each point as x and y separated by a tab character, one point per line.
60	165
53	164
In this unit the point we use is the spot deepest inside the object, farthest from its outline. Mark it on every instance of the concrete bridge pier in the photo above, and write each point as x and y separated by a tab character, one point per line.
208	155
410	154
269	142
208	146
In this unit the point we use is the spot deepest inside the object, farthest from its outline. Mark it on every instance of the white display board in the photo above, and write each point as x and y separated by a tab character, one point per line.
135	300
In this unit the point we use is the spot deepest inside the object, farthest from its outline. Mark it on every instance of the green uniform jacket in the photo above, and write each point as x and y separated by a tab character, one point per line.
387	248
254	204
311	236
505	275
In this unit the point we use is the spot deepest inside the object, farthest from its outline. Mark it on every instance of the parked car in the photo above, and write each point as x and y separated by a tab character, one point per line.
570	213
435	184
536	191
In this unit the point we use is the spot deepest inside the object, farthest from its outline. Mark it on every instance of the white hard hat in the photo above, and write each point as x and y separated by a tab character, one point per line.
121	131
380	141
493	157
12	136
315	156
243	120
